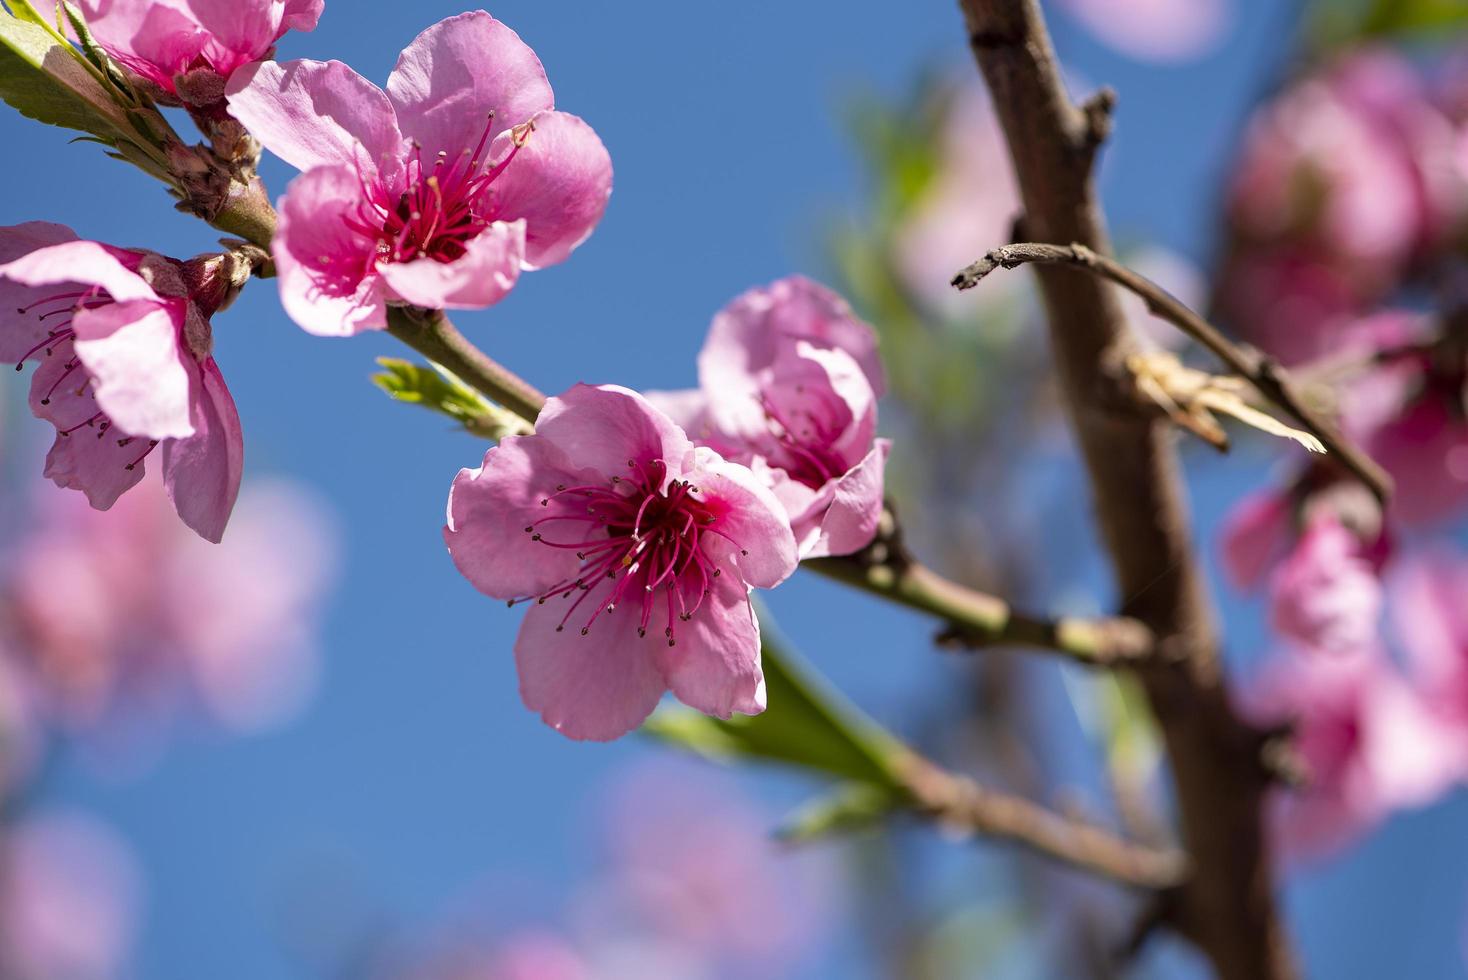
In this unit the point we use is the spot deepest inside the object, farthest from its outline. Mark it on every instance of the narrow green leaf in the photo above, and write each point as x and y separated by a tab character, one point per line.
848	808
438	389
48	81
806	724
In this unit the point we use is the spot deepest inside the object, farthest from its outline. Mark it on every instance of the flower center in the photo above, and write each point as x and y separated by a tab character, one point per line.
803	429
638	543
447	203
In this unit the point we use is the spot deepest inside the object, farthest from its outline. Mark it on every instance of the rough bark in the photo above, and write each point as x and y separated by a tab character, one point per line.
1226	906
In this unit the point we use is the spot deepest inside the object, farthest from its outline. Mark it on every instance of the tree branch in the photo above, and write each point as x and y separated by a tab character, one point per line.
964	805
976	619
1226	905
1258	368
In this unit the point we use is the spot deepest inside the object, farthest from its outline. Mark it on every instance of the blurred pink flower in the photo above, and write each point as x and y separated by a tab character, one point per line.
189	48
1429	615
968	209
1406	411
230	627
1343	180
789	380
1368	742
1156	30
1255	536
1325	595
691	866
69	890
435	193
610	502
127	369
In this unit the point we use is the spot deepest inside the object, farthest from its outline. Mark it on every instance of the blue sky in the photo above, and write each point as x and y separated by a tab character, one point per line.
416	773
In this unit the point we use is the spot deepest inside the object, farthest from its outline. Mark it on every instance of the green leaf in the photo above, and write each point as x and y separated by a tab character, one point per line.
806	724
437	388
1388	17
849	808
48	81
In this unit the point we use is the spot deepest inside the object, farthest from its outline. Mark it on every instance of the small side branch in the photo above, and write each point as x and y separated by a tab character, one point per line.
975	619
964	805
1258	368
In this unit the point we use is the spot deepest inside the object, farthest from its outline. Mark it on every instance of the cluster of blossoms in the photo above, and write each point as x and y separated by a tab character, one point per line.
641	523
1351	195
637	525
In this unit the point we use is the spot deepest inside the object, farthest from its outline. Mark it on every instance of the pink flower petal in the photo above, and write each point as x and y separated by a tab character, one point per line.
559	182
715	666
596	687
850	521
240	31
603	427
748	335
456	73
302	15
79	262
157	39
98	467
490	507
327	283
203	473
21	331
131	350
481	277
1255	535
314	113
752	519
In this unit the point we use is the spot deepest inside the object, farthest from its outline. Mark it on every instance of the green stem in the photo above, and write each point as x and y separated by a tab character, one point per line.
431	334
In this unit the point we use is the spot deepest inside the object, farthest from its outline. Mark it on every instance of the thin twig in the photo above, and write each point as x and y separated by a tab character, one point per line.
1258	368
964	805
976	619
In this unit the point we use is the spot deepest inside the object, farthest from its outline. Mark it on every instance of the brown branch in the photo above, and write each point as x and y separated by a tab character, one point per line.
1226	905
962	804
1258	368
976	619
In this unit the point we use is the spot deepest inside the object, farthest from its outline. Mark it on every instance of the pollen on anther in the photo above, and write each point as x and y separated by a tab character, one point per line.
585	630
744	552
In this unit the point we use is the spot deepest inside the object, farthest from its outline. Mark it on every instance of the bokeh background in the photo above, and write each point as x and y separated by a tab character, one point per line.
410	806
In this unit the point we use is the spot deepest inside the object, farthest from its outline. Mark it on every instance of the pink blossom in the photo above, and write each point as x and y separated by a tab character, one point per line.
1429	615
1368	743
1406	413
69	889
1344	179
230	627
435	193
1255	536
690	865
189	48
639	551
1326	595
789	380
1161	31
123	346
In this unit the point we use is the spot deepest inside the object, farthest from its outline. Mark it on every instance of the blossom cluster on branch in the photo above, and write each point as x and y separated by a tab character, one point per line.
638	527
1348	206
